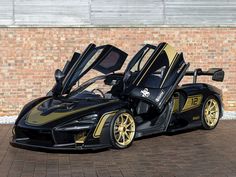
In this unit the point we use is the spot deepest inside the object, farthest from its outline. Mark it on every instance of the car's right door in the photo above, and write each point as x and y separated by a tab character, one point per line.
105	59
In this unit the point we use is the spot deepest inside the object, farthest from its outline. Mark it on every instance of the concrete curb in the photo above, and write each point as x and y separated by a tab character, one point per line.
8	119
228	115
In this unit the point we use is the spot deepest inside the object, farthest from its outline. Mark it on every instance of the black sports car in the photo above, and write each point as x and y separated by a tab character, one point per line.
145	99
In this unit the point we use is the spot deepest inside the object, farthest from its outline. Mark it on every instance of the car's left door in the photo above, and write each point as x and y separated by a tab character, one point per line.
159	77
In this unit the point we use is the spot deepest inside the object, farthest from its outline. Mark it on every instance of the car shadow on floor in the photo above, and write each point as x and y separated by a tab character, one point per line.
85	151
169	133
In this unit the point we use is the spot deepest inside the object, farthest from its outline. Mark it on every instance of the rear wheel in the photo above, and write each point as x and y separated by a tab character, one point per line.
211	113
122	130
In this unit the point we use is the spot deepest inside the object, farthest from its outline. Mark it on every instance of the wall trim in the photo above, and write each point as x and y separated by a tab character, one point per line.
121	26
228	115
8	119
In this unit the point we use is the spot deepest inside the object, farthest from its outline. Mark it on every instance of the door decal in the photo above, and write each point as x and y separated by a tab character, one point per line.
192	102
159	96
145	93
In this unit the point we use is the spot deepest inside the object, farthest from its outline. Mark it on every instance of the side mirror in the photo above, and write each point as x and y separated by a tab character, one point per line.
56	90
127	77
59	76
218	76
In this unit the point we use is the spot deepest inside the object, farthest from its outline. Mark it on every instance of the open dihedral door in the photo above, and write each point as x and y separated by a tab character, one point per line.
157	80
105	59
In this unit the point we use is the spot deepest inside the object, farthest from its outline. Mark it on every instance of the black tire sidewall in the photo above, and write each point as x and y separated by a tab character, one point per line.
112	138
204	124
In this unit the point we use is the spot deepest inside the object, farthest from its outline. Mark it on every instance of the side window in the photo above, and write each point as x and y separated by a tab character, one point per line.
155	74
92	60
143	60
111	62
85	64
160	65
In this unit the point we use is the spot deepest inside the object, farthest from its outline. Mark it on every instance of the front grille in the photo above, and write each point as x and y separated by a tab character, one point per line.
64	137
36	137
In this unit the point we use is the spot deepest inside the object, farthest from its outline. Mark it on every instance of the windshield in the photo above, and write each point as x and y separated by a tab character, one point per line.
140	59
94	88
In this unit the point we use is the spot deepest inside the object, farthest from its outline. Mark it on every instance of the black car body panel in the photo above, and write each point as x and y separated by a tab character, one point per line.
190	115
59	129
75	119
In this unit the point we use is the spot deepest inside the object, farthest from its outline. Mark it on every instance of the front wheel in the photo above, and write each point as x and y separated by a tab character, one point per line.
122	130
211	113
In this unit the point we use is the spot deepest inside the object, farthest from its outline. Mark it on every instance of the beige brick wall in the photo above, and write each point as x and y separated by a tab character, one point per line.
29	56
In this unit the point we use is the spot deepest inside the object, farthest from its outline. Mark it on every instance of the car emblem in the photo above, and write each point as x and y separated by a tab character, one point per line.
145	92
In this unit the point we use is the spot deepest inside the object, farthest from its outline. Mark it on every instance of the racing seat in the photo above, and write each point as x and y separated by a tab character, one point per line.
154	80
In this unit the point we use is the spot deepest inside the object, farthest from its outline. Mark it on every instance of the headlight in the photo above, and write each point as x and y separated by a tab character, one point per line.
83	123
77	130
88	119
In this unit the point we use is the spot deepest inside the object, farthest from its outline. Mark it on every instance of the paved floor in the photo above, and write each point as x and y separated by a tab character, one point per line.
196	153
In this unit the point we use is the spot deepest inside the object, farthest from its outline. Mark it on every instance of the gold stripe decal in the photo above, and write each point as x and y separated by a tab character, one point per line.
176	104
35	117
98	130
170	52
192	102
172	55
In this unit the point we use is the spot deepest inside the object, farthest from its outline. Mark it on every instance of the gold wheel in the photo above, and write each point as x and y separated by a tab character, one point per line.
211	112
124	129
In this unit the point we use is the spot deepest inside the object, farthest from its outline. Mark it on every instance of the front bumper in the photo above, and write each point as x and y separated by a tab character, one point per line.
66	147
49	139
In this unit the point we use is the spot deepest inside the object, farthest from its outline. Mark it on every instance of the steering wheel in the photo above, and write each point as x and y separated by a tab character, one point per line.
101	93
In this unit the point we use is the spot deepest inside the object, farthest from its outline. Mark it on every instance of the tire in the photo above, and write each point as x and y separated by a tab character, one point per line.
210	113
122	129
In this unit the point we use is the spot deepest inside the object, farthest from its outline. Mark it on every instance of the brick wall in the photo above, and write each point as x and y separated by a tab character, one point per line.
29	56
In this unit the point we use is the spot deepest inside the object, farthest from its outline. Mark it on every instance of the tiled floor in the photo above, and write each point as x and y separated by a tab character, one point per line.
190	154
